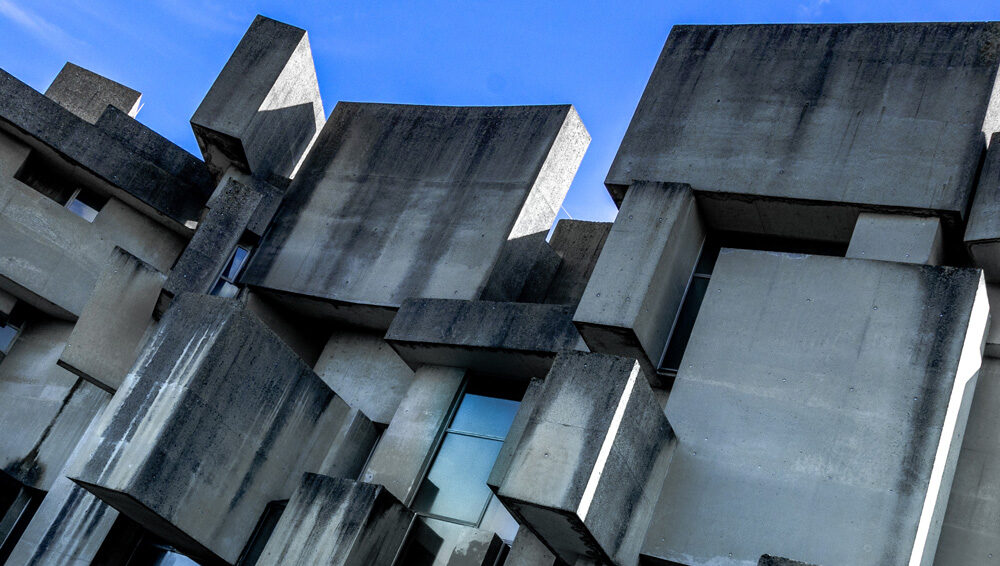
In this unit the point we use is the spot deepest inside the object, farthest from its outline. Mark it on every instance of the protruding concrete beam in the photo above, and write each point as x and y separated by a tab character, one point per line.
264	109
897	237
87	94
338	522
587	469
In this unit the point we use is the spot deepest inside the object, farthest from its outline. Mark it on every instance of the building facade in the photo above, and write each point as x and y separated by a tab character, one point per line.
349	339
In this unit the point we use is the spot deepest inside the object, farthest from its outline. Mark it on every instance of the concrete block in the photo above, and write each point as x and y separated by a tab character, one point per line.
517	339
108	335
895	237
588	466
264	110
432	542
340	522
502	464
350	449
87	94
217	418
579	243
371	375
852	396
527	550
768	560
543	271
361	228
407	446
638	284
871	116
982	233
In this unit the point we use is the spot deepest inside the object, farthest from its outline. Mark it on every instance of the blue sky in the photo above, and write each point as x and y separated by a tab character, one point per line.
596	56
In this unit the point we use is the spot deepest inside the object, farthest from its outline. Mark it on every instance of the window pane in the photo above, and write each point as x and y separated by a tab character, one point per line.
685	322
456	484
236	264
170	558
7	335
487	416
76	206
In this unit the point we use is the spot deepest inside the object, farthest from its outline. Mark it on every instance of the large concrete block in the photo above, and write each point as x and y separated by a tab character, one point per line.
638	284
503	461
217	418
517	339
591	460
897	237
809	413
765	118
579	244
339	522
264	110
398	202
106	338
87	94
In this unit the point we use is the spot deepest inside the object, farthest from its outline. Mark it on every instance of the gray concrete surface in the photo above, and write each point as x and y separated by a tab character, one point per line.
588	467
339	522
506	456
361	228
811	413
897	237
527	550
982	233
87	94
638	284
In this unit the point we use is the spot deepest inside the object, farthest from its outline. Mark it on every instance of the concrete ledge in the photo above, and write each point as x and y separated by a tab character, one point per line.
87	94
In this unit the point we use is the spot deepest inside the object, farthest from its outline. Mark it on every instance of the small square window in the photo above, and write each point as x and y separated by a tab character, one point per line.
8	334
85	204
226	285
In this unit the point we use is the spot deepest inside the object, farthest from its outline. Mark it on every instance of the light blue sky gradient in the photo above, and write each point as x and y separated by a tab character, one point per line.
596	56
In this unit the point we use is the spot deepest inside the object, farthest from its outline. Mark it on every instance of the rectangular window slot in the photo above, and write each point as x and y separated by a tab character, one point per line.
226	285
56	183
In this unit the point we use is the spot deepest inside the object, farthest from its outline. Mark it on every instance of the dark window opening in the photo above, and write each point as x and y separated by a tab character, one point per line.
18	504
55	182
226	285
262	533
86	204
10	330
129	544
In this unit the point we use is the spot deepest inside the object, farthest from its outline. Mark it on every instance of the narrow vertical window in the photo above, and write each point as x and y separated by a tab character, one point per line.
226	285
680	333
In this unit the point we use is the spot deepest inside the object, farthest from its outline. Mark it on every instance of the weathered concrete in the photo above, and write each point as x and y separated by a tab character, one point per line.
361	229
372	376
502	464
442	543
527	550
588	466
217	418
264	110
305	336
108	335
87	94
351	447
638	284
768	560
46	405
861	116
517	339
407	446
982	233
579	244
895	237
339	522
851	396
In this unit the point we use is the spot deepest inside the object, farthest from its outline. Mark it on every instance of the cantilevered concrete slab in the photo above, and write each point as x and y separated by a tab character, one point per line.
398	202
217	418
264	109
820	400
792	129
87	94
586	470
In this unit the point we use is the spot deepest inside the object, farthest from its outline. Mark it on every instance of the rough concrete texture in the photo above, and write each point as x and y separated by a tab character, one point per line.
579	244
407	446
638	284
837	418
206	255
305	336
969	534
264	109
217	418
87	94
768	560
872	115
361	228
441	543
339	522
173	196
503	461
105	340
897	237
48	406
527	550
351	447
590	462
982	233
517	339
362	365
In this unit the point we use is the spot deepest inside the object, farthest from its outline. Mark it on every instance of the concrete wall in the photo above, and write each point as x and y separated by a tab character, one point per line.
982	233
810	413
400	201
216	419
637	286
897	237
876	115
87	94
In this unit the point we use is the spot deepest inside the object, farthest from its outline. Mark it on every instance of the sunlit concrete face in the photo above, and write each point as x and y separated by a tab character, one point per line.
811	413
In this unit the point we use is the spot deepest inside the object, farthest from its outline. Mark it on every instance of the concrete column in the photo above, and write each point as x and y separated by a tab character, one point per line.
897	237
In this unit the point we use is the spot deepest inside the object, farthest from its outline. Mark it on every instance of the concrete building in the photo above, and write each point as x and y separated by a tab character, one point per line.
344	338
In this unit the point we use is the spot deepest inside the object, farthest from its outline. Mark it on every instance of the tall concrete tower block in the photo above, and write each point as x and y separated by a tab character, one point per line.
264	109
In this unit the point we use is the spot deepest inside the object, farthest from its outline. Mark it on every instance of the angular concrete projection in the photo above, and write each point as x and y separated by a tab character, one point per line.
897	237
516	339
637	286
400	202
338	522
87	94
811	413
762	120
586	471
982	233
264	109
579	244
216	419
106	338
502	464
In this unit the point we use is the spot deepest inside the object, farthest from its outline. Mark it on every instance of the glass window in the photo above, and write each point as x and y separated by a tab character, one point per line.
226	285
8	333
683	324
85	204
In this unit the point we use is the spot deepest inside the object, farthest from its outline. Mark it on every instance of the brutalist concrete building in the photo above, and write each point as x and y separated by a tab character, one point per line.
347	338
